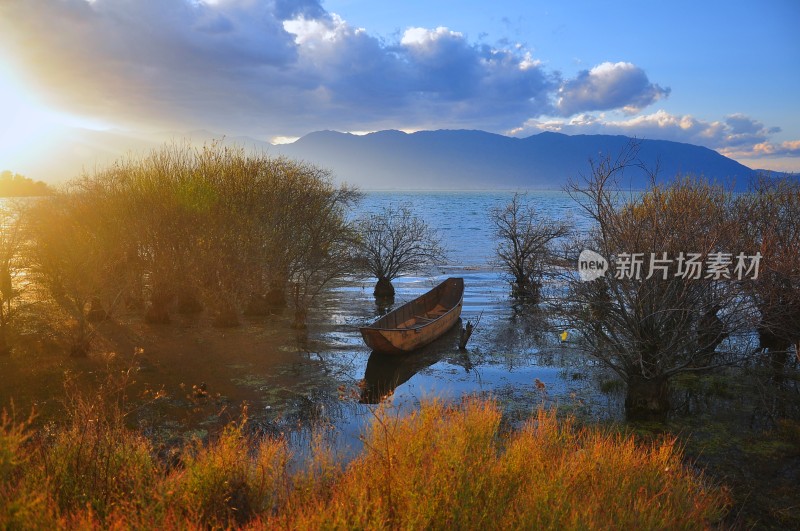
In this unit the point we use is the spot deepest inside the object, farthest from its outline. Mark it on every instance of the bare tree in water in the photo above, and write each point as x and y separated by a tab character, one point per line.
653	321
395	242
525	248
322	250
191	230
769	217
13	237
77	254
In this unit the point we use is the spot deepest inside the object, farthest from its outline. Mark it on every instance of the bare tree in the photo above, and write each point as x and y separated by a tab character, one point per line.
322	244
394	242
77	256
525	244
13	220
192	229
650	323
769	218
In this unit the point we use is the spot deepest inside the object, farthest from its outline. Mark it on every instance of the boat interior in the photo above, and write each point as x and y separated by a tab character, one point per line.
425	309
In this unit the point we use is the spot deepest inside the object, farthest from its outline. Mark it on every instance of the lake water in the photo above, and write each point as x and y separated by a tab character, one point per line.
462	218
507	353
329	380
722	417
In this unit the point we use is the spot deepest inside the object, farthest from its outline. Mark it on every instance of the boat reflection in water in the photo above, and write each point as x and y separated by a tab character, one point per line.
385	372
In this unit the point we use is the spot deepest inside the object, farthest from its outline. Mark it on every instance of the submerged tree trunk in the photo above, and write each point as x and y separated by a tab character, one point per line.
96	311
300	319
5	348
526	291
710	334
81	341
646	397
226	316
776	346
158	310
768	340
383	288
79	348
466	333
273	302
384	304
188	302
276	296
256	306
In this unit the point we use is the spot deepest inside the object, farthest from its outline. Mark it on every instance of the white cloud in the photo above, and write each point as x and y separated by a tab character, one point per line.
424	38
430	77
279	140
529	62
283	68
609	86
789	148
316	32
737	136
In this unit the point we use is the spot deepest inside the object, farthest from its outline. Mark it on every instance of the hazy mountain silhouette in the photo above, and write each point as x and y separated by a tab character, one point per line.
479	160
426	160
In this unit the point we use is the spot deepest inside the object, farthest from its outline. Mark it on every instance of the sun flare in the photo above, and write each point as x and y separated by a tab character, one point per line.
26	123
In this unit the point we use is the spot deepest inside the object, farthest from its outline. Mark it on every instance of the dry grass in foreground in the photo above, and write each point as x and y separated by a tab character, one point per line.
441	467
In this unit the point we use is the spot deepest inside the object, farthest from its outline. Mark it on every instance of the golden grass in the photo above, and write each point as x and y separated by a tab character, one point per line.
441	467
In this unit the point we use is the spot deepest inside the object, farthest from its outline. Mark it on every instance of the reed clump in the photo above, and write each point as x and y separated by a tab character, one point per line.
440	467
449	467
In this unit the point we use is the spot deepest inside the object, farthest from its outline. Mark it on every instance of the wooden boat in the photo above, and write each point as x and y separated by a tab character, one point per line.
418	322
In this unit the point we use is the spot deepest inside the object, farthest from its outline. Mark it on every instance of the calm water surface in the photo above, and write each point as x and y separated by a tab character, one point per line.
330	378
508	351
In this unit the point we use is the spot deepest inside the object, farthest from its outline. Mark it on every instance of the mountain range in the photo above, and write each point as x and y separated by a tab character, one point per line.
425	160
470	160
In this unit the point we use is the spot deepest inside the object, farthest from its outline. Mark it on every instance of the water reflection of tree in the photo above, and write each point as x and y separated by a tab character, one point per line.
519	337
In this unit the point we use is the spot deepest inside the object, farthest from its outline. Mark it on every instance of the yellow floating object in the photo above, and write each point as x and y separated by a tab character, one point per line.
564	335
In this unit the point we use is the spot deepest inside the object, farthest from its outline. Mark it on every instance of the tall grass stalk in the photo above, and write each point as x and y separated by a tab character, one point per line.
440	467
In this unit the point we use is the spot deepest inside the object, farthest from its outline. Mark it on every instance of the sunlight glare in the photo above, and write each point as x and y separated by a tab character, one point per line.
25	122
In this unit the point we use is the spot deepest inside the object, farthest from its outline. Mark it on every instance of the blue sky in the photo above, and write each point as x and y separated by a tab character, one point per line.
725	75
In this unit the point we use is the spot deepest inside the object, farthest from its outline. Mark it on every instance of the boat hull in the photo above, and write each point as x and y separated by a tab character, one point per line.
419	322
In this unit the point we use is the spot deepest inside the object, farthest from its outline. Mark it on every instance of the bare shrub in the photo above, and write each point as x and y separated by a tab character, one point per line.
190	230
652	325
79	255
394	242
13	243
525	248
769	216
